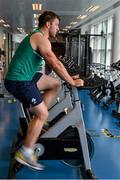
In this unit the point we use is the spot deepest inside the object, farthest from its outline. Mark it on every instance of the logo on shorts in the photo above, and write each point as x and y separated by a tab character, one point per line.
33	100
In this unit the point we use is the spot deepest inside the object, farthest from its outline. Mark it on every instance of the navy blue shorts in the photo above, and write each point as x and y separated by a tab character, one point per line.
26	92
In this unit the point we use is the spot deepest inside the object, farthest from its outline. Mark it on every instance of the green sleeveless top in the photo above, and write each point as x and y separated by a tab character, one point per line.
25	62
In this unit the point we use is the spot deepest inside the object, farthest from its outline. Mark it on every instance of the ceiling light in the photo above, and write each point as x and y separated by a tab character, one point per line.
82	16
73	23
79	17
88	9
37	7
68	27
95	8
92	8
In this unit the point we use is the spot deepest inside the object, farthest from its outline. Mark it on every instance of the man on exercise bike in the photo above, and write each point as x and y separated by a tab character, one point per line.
25	84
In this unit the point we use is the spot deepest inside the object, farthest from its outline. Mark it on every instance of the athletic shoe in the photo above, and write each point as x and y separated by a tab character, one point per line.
28	161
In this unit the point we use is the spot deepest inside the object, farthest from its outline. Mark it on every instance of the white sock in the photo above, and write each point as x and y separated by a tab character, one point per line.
27	151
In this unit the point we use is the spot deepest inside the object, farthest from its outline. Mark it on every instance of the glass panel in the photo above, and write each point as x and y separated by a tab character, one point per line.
108	58
104	26
99	28
109	42
102	46
110	25
96	29
102	58
92	30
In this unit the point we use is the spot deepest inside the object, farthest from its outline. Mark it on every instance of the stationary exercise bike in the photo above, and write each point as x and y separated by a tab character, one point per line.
64	104
70	142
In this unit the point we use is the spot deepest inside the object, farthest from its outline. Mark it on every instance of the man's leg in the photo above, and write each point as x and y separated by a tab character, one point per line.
51	88
35	126
26	154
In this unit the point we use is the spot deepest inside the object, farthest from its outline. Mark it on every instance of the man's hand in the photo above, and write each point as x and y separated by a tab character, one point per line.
78	82
75	76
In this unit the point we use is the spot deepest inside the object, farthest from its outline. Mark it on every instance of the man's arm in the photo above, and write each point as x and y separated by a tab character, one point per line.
50	58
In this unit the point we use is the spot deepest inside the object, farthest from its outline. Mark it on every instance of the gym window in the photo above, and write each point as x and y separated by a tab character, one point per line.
102	45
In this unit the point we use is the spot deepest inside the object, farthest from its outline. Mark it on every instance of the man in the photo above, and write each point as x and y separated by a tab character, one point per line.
23	82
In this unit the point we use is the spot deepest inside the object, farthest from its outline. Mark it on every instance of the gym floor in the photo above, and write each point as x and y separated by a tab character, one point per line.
106	158
105	161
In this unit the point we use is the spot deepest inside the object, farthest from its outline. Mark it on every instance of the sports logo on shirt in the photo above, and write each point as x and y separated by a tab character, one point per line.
33	100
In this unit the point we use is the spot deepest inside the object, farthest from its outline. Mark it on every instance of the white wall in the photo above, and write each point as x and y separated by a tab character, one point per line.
116	36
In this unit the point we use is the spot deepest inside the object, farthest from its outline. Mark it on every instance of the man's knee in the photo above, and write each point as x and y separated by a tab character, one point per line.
40	111
57	84
43	115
